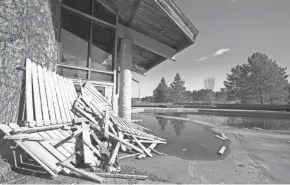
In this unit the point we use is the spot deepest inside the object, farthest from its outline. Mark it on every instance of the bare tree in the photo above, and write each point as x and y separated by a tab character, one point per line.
209	84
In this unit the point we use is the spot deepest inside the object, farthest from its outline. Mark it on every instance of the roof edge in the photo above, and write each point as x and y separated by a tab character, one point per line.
172	10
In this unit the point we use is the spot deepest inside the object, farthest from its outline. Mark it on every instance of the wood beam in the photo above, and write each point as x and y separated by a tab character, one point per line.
146	42
137	3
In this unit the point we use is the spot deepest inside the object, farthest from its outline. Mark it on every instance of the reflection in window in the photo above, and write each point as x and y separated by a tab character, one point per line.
81	5
103	40
102	13
101	77
101	90
74	37
72	73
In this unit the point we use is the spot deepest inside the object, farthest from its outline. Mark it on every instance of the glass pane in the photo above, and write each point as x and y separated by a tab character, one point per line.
74	38
72	73
84	6
103	42
103	13
101	90
101	77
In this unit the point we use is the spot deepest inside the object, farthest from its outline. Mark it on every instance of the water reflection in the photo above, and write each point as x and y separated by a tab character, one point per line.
162	122
177	125
237	121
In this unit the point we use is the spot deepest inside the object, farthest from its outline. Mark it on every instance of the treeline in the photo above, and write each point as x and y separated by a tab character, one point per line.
259	80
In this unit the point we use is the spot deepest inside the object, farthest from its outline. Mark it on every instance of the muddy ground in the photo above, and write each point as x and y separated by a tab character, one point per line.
256	156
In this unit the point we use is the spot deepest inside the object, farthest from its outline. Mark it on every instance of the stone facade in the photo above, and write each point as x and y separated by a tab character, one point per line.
27	30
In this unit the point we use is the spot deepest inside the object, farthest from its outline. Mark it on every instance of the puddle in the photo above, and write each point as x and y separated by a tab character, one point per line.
185	140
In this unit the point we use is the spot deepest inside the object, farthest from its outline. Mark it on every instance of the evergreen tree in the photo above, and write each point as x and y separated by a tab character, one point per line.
177	89
259	79
161	93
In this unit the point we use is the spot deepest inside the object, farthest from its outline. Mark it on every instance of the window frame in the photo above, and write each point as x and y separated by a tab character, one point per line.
93	20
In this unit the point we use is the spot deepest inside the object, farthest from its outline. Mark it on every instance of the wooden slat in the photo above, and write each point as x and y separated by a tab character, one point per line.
28	94
63	149
68	146
142	146
88	154
54	98
59	99
41	155
44	107
37	104
65	99
115	153
49	97
70	96
82	172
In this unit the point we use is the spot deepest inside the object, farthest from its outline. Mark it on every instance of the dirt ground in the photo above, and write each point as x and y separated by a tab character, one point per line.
256	156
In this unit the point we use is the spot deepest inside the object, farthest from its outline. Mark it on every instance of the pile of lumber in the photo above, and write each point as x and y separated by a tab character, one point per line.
66	132
105	136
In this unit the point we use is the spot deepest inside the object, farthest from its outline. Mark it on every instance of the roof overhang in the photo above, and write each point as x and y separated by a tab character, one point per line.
158	30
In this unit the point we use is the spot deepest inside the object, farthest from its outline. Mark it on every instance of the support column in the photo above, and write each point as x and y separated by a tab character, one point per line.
125	79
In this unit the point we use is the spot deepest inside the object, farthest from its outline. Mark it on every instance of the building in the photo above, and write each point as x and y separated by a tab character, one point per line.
104	41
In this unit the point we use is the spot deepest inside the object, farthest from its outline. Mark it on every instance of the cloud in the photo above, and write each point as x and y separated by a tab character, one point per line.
221	51
201	59
233	1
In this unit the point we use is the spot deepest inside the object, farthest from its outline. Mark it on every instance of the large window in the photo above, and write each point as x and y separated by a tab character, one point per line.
88	44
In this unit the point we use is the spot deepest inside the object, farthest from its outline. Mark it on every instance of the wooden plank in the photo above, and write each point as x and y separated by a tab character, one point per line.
142	146
84	173
73	89
38	129
28	94
63	95
222	150
62	148
68	146
39	159
219	137
49	97
115	153
104	149
70	96
106	126
59	99
88	154
41	154
37	104
54	98
122	176
44	106
58	154
66	93
126	143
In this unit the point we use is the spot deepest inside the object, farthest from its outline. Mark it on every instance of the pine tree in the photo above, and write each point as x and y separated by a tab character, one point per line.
161	93
259	79
177	89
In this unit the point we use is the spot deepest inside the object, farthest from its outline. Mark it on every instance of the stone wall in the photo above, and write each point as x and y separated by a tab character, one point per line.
27	30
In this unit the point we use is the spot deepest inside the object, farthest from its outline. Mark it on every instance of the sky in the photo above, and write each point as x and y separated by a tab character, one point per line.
230	31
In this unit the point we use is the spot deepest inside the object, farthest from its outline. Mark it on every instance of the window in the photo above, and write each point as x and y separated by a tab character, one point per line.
101	77
102	47
102	13
74	38
72	73
84	6
88	43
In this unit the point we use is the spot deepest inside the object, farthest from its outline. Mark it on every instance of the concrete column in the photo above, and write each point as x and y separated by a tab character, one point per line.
125	79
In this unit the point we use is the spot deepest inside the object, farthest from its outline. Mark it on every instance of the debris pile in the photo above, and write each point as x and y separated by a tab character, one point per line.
106	136
66	132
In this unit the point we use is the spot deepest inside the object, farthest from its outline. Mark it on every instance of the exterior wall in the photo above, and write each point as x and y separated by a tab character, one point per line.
27	31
